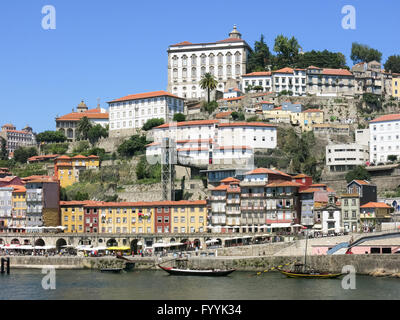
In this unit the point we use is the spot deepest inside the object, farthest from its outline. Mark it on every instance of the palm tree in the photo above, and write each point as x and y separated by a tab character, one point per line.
208	82
83	128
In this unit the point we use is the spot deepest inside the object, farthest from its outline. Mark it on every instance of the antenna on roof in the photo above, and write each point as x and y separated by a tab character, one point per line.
98	103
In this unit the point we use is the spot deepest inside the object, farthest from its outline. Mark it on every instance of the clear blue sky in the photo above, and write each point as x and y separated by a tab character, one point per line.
108	49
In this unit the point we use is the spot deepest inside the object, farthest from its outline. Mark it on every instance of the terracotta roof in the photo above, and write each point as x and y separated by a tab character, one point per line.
284	184
8	178
90	114
145	95
231	40
266	171
64	158
246	124
312	110
78	203
93	157
318	185
388	117
310	190
313	67
362	182
376	205
258	74
79	156
337	72
232	99
147	204
36	177
183	43
188	123
230	179
301	175
278	108
192	149
18	189
222	115
38	158
284	70
152	144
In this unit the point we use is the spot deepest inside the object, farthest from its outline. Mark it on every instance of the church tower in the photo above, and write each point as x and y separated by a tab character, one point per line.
234	34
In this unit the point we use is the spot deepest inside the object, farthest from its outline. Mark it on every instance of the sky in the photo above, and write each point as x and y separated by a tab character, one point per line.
103	49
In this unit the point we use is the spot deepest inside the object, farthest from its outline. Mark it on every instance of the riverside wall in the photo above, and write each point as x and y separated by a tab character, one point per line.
364	264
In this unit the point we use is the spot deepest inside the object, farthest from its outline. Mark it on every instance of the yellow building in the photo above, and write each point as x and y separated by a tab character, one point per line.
190	217
67	169
277	115
310	117
18	219
72	216
396	85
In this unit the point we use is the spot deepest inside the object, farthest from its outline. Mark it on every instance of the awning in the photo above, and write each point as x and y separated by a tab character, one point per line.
317	226
119	248
174	244
212	241
160	245
280	225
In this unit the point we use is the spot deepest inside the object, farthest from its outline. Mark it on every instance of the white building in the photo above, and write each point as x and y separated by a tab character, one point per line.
288	79
330	82
130	113
206	142
344	157
331	218
362	137
257	79
188	62
384	138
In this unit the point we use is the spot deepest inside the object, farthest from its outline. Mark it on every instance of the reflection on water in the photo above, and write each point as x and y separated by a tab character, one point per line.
157	285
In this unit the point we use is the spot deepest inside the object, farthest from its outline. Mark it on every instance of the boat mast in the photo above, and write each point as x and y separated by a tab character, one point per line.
305	251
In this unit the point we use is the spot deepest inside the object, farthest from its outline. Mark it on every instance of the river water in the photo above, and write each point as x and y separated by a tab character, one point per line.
158	285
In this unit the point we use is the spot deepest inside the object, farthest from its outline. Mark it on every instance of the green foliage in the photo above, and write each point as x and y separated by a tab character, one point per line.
364	53
210	107
322	59
3	149
392	157
51	137
358	173
145	171
96	132
82	147
287	52
22	154
30	169
63	194
237	116
83	128
285	93
133	146
252	119
259	58
151	123
209	83
372	101
393	64
179	117
55	148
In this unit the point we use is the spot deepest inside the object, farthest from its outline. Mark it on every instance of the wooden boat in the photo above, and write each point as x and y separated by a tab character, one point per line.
111	270
192	272
301	270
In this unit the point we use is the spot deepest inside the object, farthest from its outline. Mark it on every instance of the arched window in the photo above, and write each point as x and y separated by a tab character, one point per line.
175	61
203	59
229	70
212	70
194	60
229	57
220	71
184	73
211	58
203	70
237	69
184	61
175	74
193	72
219	58
237	57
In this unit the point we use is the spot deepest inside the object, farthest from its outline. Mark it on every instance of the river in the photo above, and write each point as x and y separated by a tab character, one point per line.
26	284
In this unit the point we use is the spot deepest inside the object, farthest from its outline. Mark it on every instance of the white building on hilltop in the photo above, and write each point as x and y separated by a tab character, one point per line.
188	62
384	138
204	142
130	113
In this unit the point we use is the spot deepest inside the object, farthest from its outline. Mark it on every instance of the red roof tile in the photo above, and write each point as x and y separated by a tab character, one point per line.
387	117
90	114
284	70
146	95
246	124
188	123
376	205
337	72
258	74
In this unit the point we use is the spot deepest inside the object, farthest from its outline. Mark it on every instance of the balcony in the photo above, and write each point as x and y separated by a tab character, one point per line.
233	201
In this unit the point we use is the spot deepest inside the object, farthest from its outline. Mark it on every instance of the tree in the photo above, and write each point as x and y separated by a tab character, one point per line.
179	117
51	137
3	149
393	64
392	157
146	171
322	59
82	130
209	83
259	58
96	132
134	145
151	123
363	53
287	51
237	116
22	154
210	107
358	173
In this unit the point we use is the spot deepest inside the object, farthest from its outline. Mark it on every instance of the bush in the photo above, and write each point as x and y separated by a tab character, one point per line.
209	107
238	116
51	137
22	154
55	148
179	117
133	146
151	123
358	173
